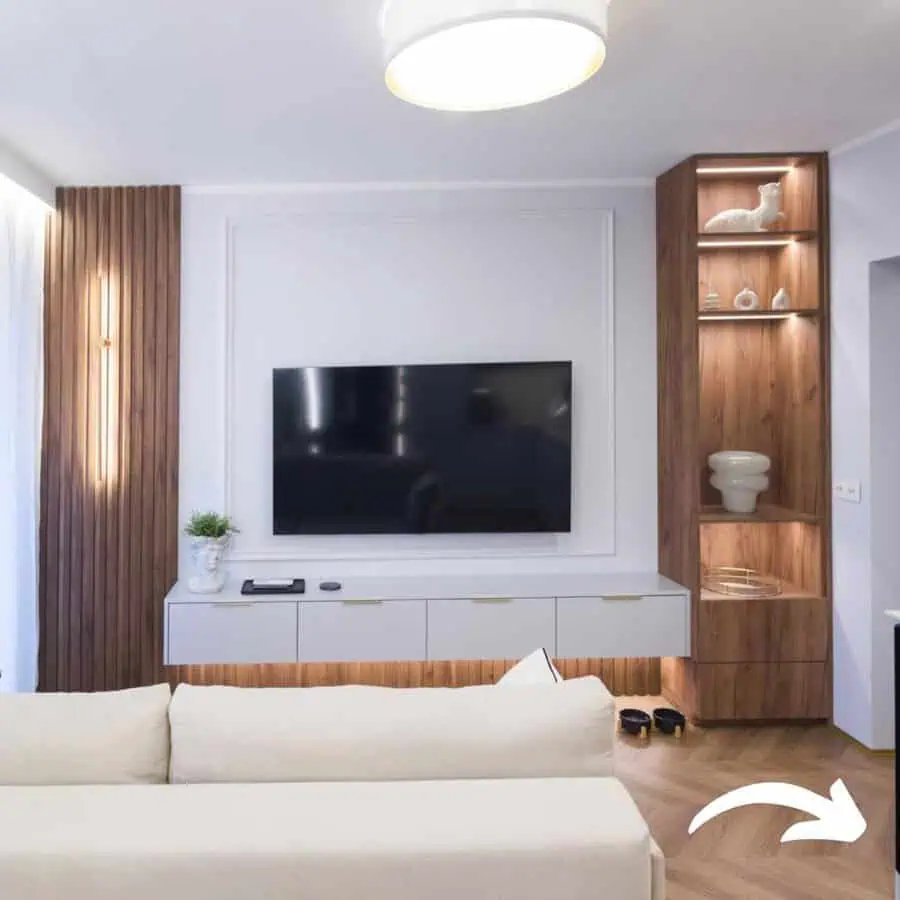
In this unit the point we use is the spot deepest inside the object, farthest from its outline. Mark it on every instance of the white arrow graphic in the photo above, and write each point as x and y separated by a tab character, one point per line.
837	819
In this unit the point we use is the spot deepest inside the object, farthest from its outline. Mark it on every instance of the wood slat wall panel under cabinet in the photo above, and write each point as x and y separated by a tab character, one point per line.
629	677
108	547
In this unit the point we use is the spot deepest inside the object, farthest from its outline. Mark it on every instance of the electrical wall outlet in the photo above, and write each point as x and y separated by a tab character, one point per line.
848	491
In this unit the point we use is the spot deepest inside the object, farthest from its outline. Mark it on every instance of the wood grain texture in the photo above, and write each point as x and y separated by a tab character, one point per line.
737	381
678	411
764	692
762	385
799	197
789	628
739	856
108	542
789	550
621	676
761	390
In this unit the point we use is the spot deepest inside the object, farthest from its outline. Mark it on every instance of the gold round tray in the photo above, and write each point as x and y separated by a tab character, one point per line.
733	581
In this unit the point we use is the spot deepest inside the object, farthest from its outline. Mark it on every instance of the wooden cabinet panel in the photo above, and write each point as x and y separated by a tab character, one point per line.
362	632
490	629
232	632
785	629
623	626
746	692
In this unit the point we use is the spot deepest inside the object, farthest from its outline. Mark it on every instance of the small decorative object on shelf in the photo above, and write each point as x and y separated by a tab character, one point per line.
740	476
210	534
782	300
737	220
747	299
712	300
733	581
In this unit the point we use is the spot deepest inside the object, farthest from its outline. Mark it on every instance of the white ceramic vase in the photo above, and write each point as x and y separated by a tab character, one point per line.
740	477
208	577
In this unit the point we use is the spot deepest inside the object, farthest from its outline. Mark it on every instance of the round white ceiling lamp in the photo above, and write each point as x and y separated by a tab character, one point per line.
475	55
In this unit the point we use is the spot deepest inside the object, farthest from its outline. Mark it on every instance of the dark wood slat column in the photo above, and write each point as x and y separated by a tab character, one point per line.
109	497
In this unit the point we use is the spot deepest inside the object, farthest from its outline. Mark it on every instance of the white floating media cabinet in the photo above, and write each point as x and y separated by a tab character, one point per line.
375	619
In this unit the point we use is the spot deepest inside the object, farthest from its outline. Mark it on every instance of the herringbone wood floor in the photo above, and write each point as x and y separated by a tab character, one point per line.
739	857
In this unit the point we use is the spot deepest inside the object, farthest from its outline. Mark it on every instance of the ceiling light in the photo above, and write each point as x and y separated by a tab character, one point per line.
475	55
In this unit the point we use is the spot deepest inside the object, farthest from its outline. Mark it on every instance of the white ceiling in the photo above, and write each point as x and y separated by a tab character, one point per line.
255	91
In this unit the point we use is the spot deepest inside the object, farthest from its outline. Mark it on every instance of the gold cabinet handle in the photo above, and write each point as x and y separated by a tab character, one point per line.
233	604
492	600
362	602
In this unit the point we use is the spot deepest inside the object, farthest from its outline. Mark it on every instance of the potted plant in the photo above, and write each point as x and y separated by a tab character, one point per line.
210	534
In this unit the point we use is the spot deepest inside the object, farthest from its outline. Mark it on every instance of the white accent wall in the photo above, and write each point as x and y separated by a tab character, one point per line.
865	198
344	275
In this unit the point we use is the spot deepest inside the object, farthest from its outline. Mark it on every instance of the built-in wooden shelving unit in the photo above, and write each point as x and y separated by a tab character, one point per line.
747	380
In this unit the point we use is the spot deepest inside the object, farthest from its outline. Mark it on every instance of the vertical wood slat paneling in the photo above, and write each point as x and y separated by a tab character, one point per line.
637	677
109	540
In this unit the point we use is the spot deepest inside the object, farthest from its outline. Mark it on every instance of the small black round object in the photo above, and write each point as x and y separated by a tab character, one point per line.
669	721
634	721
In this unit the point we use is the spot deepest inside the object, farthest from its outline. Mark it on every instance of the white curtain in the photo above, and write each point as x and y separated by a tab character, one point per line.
22	224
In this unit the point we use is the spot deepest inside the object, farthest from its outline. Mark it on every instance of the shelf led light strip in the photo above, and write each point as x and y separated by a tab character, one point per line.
780	242
746	317
745	170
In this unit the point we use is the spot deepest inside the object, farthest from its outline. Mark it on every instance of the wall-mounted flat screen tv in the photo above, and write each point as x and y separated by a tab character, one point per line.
440	449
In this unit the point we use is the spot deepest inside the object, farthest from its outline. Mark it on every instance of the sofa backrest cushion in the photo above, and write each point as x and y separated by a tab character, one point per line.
119	737
358	733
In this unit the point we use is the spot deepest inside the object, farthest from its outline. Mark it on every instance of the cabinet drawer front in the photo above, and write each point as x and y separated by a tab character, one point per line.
747	692
362	632
232	633
775	629
621	627
490	629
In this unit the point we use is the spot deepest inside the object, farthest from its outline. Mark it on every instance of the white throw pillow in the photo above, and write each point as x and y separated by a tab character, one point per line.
118	737
536	668
359	733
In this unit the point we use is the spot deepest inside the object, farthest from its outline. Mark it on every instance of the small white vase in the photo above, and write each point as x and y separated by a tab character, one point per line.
782	300
740	477
747	300
207	556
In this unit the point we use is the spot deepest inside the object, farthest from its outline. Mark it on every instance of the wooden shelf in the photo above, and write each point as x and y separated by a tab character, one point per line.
765	315
752	240
789	591
764	513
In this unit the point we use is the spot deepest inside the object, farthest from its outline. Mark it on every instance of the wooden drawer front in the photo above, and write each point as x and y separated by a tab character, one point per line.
232	633
362	632
733	692
779	629
623	626
476	629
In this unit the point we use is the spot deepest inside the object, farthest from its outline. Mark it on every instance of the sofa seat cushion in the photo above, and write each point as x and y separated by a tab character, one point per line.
565	839
360	733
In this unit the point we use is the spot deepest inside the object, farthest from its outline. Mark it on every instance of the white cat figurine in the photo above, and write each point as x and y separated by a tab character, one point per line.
767	213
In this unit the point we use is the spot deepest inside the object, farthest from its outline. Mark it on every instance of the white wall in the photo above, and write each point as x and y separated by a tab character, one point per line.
343	275
865	210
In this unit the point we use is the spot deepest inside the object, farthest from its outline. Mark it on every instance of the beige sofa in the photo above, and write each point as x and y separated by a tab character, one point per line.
319	794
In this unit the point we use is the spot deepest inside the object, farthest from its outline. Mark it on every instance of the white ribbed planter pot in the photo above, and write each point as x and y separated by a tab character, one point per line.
740	476
476	55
